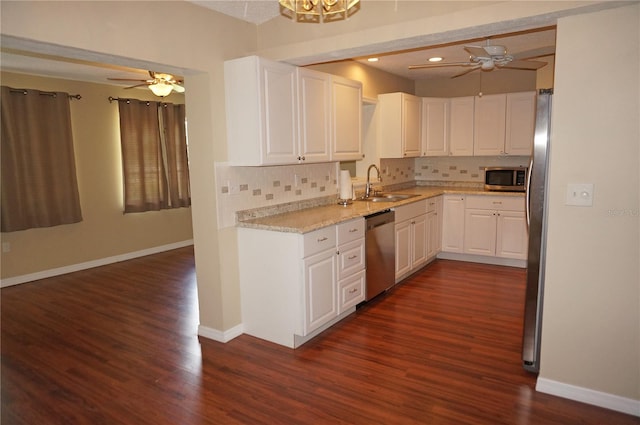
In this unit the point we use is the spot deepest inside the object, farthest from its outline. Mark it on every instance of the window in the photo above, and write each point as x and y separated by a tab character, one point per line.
154	155
39	185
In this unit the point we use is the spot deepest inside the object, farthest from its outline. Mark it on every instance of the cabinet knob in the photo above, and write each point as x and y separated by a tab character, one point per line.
303	158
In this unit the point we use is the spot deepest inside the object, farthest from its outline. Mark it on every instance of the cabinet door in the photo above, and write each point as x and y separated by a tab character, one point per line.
403	248
435	122
489	124
411	116
432	235
279	106
419	241
453	223
346	119
520	126
314	111
320	296
511	237
461	126
480	232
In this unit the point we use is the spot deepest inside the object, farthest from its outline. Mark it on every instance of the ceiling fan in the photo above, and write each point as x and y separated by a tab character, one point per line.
160	84
490	57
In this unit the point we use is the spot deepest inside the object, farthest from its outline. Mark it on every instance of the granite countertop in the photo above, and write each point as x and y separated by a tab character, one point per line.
309	219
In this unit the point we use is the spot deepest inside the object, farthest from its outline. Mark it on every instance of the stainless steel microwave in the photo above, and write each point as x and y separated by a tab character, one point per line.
506	179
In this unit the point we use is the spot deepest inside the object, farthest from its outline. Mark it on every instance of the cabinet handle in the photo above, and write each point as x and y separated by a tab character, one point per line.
497	202
322	239
353	230
353	257
353	291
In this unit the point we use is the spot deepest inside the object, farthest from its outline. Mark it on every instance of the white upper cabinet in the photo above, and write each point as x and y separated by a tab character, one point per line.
520	127
346	119
261	107
279	114
435	126
314	111
399	125
489	124
504	124
461	126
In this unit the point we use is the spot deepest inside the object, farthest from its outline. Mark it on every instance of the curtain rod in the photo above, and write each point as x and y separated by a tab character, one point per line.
46	93
148	102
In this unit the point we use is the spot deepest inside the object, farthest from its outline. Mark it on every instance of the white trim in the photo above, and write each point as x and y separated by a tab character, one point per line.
90	264
220	336
484	259
586	395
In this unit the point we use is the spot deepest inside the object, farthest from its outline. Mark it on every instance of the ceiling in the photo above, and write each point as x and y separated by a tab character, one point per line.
258	11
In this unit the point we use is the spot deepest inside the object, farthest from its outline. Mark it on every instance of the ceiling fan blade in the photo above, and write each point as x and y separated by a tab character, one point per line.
525	65
177	88
137	85
440	65
466	71
125	79
477	51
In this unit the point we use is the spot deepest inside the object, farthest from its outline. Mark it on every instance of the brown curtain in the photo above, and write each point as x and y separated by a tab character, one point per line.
39	185
154	155
173	118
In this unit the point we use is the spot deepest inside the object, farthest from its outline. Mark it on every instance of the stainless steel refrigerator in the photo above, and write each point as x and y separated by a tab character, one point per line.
537	220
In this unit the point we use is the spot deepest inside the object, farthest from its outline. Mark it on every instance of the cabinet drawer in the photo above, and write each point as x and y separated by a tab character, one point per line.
319	240
431	204
351	291
350	230
405	212
351	258
505	203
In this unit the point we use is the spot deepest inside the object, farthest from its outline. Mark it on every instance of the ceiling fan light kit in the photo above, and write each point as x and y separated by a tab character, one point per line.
316	11
160	84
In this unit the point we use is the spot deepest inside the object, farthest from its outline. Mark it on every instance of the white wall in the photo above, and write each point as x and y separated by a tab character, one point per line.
591	322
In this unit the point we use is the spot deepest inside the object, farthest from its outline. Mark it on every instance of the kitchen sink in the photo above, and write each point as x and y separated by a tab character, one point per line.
388	197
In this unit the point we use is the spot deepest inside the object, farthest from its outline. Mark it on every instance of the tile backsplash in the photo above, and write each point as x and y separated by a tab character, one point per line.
249	188
462	168
244	188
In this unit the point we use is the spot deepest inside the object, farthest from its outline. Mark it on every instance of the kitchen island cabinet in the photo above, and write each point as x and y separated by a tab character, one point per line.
293	286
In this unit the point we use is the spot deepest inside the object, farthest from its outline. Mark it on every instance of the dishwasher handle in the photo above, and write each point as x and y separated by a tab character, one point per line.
379	219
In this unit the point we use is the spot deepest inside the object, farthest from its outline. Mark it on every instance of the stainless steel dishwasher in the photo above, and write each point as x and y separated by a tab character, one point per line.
381	252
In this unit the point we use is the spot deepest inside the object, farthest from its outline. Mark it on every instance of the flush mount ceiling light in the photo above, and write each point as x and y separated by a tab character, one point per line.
316	11
435	59
372	60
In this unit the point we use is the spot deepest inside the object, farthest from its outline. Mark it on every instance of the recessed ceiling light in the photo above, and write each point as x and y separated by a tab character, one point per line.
373	59
435	59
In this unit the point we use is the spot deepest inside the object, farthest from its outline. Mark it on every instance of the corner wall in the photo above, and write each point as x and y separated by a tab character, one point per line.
591	319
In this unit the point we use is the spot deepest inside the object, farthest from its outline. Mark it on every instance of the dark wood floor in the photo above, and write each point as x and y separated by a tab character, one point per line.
118	345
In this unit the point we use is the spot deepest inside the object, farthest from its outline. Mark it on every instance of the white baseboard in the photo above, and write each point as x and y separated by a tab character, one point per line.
90	264
586	395
498	261
220	336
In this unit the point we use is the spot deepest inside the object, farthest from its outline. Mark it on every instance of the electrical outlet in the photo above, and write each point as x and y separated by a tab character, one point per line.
580	194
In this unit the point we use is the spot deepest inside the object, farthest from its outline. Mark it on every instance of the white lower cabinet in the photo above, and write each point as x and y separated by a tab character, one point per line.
293	286
411	238
434	226
495	226
453	223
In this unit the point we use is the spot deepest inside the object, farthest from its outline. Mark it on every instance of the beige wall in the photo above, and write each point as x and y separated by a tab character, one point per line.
105	231
591	323
374	81
497	81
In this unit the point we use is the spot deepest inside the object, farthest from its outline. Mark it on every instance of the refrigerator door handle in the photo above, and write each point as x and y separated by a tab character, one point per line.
528	193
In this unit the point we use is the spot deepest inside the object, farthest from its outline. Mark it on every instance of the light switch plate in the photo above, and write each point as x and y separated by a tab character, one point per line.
580	194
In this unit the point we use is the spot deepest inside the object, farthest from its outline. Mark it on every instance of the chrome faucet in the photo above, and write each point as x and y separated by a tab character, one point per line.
367	188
